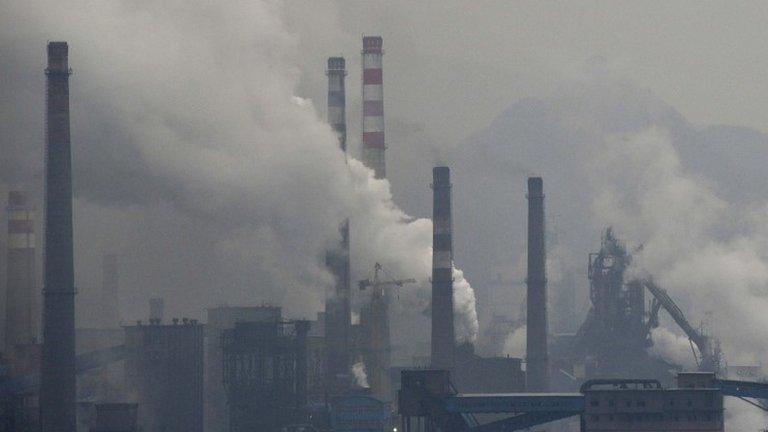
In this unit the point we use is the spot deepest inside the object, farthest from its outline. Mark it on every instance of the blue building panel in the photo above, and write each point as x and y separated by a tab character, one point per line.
515	403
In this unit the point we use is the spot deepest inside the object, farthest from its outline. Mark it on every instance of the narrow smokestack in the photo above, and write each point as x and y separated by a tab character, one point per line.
110	286
536	341
20	314
373	107
57	383
443	338
338	307
337	98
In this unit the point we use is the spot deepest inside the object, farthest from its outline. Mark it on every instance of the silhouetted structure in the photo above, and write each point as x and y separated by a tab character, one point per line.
537	328
338	305
265	374
57	374
164	369
443	333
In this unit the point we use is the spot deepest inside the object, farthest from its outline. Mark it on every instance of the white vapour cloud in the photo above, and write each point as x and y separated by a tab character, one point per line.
241	185
361	377
695	244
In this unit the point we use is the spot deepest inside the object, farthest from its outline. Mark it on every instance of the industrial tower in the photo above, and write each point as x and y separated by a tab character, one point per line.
373	107
20	310
57	374
443	333
537	327
338	307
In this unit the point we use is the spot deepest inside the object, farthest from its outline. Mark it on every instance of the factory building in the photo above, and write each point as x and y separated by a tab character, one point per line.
265	374
695	404
221	319
164	369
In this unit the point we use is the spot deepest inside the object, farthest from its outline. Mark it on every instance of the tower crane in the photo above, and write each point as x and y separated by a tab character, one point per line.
379	285
375	322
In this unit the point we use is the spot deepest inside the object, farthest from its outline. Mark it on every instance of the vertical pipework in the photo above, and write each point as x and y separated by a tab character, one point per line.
536	338
57	383
20	296
443	338
373	107
110	289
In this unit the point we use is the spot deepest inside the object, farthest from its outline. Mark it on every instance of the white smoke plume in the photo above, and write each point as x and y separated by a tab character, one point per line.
361	377
695	245
196	160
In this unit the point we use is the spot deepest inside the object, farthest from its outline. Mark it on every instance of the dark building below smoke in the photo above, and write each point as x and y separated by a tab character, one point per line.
164	369
265	374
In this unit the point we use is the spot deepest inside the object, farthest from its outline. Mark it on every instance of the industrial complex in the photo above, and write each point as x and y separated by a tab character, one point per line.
251	368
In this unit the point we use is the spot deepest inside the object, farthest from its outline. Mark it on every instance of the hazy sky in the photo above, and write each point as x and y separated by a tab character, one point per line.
451	66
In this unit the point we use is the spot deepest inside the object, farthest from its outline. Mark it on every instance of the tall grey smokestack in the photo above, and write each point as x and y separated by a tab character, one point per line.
443	337
338	307
57	368
536	338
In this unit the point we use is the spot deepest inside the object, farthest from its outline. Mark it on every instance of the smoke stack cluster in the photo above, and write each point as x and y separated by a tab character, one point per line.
443	337
536	339
20	311
57	374
373	107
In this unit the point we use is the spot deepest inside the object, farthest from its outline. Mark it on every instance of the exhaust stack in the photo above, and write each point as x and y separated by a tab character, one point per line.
57	374
443	337
537	328
338	307
20	311
373	107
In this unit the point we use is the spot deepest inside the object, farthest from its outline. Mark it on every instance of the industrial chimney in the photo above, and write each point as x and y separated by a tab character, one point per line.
443	339
57	369
373	107
110	285
537	371
337	116
20	313
338	306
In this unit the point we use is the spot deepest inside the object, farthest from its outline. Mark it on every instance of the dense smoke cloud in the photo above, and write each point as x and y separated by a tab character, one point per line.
196	161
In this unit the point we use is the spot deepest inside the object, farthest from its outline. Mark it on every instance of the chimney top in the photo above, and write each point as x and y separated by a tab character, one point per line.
372	44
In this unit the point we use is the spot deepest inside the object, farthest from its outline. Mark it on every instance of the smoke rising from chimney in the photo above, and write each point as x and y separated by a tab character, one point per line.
231	182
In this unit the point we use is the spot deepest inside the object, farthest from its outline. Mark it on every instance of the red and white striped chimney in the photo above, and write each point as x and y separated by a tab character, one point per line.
373	107
20	311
